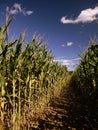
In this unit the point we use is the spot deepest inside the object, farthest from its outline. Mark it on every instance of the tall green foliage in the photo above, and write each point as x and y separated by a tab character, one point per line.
86	73
29	77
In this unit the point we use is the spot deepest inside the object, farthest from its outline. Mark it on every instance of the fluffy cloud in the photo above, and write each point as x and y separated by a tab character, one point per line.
16	8
67	62
63	62
86	16
71	63
29	12
69	43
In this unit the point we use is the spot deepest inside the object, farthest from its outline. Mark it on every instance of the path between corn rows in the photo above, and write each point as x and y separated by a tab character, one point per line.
65	113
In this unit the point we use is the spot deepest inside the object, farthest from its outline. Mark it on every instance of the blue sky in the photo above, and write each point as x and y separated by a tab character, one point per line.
65	24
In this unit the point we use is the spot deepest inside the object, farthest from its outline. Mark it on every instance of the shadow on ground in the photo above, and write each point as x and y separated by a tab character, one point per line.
70	111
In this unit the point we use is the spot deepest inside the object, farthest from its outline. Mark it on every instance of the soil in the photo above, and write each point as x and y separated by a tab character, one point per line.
68	111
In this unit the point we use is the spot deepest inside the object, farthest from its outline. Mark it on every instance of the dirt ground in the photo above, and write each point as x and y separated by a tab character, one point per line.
69	111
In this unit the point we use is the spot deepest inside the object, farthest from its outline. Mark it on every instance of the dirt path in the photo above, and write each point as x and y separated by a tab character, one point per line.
67	112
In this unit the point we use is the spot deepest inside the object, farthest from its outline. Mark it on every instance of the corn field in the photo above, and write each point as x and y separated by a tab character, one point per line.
29	78
84	81
86	73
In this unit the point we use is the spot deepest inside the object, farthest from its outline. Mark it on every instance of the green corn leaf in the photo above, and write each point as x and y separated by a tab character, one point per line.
2	37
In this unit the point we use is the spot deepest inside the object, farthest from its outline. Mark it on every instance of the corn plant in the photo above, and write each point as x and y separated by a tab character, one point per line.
87	71
29	77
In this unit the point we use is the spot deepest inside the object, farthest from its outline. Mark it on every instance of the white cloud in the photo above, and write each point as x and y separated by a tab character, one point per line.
62	45
62	61
16	8
14	11
69	43
71	63
29	12
86	16
67	62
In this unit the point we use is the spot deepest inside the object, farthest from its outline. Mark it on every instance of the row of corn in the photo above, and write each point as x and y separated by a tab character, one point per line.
29	78
86	74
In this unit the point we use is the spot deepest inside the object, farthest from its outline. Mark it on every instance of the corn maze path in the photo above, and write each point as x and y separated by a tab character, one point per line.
67	113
